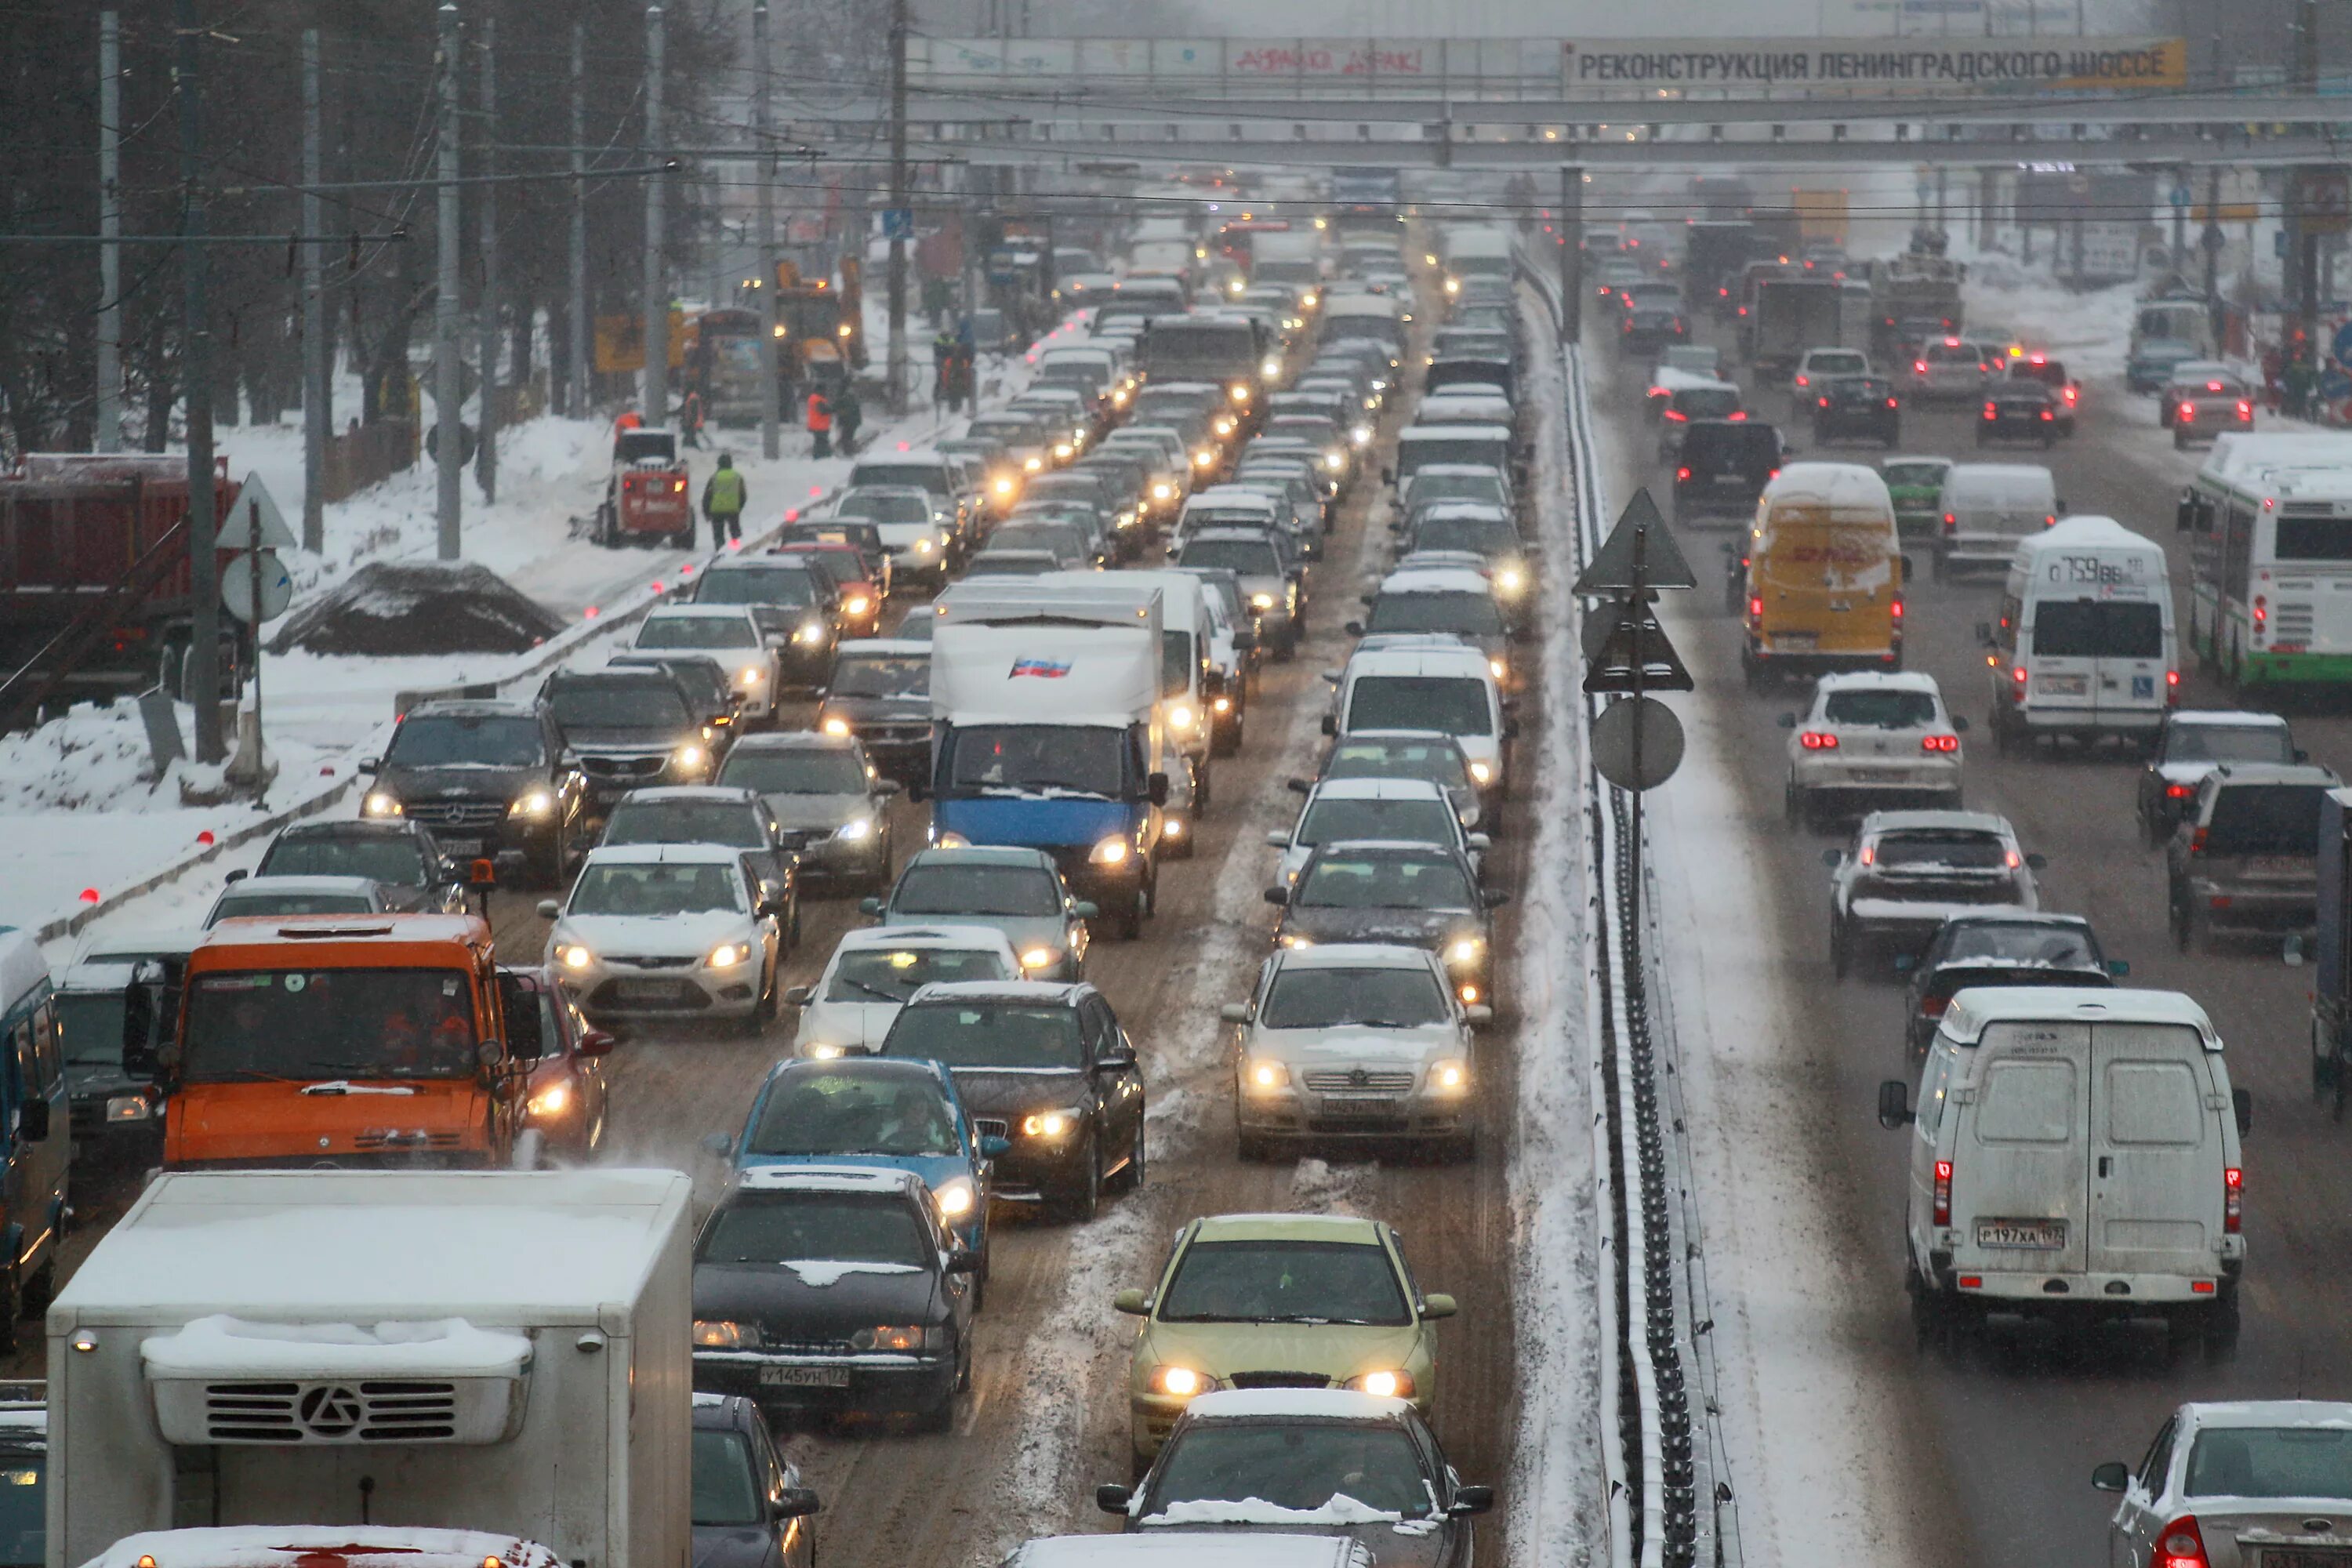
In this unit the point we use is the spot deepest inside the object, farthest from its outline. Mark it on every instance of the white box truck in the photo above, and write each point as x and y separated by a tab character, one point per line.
506	1351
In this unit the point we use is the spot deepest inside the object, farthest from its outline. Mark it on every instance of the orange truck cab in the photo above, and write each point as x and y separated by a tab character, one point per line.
328	1041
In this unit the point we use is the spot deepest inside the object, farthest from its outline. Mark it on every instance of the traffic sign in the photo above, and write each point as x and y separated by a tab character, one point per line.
242	573
1631	651
897	223
2322	201
253	521
1640	724
1611	568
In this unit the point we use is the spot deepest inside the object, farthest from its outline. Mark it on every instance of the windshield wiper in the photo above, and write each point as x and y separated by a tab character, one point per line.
875	990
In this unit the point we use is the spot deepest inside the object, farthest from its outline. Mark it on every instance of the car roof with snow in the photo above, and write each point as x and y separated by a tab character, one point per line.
1877	680
696	794
23	970
699	613
827	1178
1188	1549
2084	531
663	855
1378	789
1435	580
1979	1007
1829	484
2304	1412
470	708
1313	1404
390	929
1879	822
1354	955
2230	718
290	1546
798	739
897	647
114	951
1430	655
1033	992
359	887
1250	1226
939	934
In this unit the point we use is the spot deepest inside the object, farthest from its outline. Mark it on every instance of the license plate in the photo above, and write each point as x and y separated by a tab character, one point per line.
1797	641
2302	1557
2278	866
461	849
1879	775
1360	1105
2034	1235
2063	684
645	990
804	1376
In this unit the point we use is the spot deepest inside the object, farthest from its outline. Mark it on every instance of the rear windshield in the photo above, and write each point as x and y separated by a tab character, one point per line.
1449	704
882	675
811	770
1248	557
443	740
1457	486
729	822
1384	882
2095	629
2228	743
2271	1462
1466	614
697	631
1913	476
922	476
1953	354
1886	710
1723	447
1930	850
885	508
1438	762
1003	892
1410	821
848	1112
1482	535
1837	364
986	1035
1707	402
2065	947
2265	819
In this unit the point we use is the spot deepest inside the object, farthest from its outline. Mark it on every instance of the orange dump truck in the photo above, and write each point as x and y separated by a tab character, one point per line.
328	1040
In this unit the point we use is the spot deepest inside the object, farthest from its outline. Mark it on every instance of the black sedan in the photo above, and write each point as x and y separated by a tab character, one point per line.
1415	894
748	1502
1368	1467
1997	950
1045	1066
829	1291
1857	407
2018	411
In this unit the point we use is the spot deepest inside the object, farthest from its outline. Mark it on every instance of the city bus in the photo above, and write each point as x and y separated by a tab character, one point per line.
2269	526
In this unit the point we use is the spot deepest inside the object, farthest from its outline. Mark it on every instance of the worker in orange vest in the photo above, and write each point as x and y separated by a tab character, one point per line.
630	419
820	424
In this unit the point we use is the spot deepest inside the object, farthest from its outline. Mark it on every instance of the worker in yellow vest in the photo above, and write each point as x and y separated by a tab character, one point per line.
722	503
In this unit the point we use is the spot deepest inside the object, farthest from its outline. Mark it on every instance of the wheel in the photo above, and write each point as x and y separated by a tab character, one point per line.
762	1009
40	1290
2182	923
1931	1322
1131	1175
1083	1199
1841	948
1935	568
793	930
1200	791
2220	1325
2179	443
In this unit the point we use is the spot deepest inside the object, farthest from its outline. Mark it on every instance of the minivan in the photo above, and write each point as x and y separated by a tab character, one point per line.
2085	646
2074	1155
1824	575
1986	507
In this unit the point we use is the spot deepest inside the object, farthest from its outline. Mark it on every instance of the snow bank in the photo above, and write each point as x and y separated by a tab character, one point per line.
818	1274
225	1346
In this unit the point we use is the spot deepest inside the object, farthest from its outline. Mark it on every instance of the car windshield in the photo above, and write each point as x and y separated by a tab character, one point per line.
23	1489
646	887
247	905
1708	402
1438	762
697	631
895	973
882	675
1411	821
306	1026
1881	707
437	741
733	823
92	1022
1466	614
1284	1280
2061	947
839	567
986	1035
1301	1466
2096	628
380	858
2271	1462
1482	535
621	705
698	673
787	587
922	476
726	1491
1384	999
1429	487
1003	892
1914	476
885	508
796	770
1449	704
842	1112
1248	557
816	1227
1819	364
1041	759
2228	743
1939	850
2265	819
1383	881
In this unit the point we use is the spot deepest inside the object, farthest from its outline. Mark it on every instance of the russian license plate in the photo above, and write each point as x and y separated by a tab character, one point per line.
2302	1557
461	849
2032	1235
804	1376
1879	775
2063	684
645	990
2278	866
1796	642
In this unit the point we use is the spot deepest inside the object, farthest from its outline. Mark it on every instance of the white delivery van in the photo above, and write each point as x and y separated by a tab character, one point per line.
1986	507
2075	1153
486	1350
2085	645
1430	683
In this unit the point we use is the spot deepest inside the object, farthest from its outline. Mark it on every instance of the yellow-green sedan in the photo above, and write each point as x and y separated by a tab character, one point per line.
1278	1301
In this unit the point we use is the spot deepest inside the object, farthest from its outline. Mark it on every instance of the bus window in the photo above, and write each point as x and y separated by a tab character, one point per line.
2237	553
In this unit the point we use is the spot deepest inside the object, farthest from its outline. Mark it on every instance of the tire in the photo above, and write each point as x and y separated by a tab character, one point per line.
40	1290
2183	924
1841	948
1082	1200
1201	792
2220	1330
1137	1171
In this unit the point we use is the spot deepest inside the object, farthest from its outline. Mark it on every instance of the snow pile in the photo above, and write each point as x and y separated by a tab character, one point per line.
817	1275
405	608
92	757
225	1346
2090	330
1340	1509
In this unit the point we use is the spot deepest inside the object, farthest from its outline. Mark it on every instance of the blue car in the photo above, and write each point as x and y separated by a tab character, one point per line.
897	1113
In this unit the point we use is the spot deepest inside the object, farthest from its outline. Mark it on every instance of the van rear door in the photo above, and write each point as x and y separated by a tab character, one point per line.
2156	1155
2061	658
2020	1166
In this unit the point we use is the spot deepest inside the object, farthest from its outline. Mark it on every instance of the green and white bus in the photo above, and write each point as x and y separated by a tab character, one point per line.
2269	526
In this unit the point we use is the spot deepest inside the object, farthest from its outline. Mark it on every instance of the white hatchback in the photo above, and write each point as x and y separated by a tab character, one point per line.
1872	740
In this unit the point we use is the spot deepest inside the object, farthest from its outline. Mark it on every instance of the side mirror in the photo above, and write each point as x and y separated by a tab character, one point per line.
1787	720
1894	1105
1479	842
1234	1012
722	1145
549	909
795	1502
598	1043
1330	724
1905	963
2301	755
1959	723
1278	897
2120	967
1833	858
1472	1500
371	764
236	876
1494	898
1353	628
1155	789
1085	909
520	1009
799	995
869	907
1112	1498
1437	1304
33	1121
1477	1015
993	1147
2037	862
1131	1301
963	1260
2242	1100
2114	1476
1278	839
1299	786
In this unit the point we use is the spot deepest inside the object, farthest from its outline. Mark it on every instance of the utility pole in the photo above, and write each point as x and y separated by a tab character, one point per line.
897	358
655	380
577	403
2210	241
316	353
447	430
770	440
1572	253
109	227
2306	233
485	462
204	673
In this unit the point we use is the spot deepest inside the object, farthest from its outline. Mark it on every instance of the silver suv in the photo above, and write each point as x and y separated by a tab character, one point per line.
2245	857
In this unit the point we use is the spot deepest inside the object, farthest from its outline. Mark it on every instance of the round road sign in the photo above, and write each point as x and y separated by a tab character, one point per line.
237	575
1612	743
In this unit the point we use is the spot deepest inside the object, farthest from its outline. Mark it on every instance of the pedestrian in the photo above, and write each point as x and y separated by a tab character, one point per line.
849	412
722	503
943	360
820	422
690	419
628	420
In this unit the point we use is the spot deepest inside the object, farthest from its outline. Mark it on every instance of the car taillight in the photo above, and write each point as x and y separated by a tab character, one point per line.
1933	1006
2178	791
1919	366
1817	740
1869	854
1681	473
2182	1545
1891	403
1894	609
2051	520
2049	414
1940	744
2018	673
2189	412
1824	403
1677	415
1737	414
2072	394
2197	841
1992	411
2245	409
2262	609
2233	1200
1803	380
1943	1192
1756	608
1773	475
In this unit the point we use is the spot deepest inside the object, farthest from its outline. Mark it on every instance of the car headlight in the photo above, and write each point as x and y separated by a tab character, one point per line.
750	675
1265	1077
1204	457
956	1196
1387	1384
1111	851
1449	1077
1361	435
380	802
1163	492
1335	460
1464	950
1031	465
1311	299
1062	448
1480	773
1179	1382
855	830
1005	486
719	1335
691	756
538	803
834	724
728	954
1269	366
809	633
1292	939
922	547
1261	601
897	1337
1221	704
1173	828
1050	1124
1040	957
571	955
855	605
553	1100
1497	669
1180	717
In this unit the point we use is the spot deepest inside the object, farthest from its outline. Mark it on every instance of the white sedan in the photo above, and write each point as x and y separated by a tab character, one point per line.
2265	1482
730	633
873	972
1403	811
1873	740
669	930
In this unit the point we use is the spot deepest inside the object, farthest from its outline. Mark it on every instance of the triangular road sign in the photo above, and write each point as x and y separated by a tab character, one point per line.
253	521
1611	570
1634	640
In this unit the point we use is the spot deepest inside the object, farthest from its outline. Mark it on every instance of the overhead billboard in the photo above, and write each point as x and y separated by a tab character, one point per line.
1874	64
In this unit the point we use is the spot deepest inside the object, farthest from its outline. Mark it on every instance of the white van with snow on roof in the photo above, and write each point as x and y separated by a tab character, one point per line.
2085	644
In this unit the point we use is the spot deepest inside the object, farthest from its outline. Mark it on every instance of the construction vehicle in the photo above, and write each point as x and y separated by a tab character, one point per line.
647	499
723	363
1917	299
1820	216
819	327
